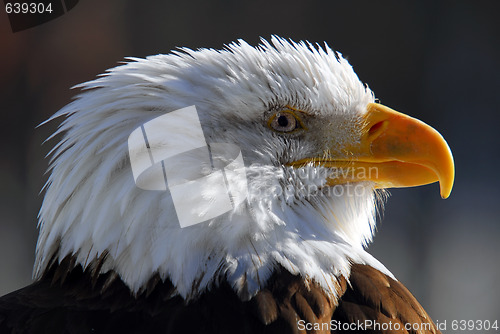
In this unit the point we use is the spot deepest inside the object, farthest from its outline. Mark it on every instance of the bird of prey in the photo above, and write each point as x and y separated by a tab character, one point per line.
288	256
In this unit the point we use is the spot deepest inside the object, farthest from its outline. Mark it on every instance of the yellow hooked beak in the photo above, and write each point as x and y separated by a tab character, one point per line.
394	151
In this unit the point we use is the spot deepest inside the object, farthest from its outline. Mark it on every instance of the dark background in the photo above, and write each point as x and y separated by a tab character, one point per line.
438	61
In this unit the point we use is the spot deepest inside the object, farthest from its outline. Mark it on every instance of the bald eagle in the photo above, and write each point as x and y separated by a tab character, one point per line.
318	154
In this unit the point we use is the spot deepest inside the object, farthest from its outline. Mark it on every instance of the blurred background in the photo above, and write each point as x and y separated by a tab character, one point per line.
435	60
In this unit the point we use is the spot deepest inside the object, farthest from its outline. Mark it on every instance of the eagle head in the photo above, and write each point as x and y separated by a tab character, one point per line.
317	154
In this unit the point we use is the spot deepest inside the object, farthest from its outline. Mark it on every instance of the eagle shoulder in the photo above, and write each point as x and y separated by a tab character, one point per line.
385	302
70	300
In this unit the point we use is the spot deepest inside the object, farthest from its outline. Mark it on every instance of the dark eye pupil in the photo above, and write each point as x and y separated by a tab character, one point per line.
283	121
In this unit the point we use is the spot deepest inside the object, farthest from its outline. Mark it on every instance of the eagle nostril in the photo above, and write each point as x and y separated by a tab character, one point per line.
376	129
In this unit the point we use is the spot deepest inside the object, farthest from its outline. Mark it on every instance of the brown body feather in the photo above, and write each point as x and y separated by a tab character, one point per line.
72	304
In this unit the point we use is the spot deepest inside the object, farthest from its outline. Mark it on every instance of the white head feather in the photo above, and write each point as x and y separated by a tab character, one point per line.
92	205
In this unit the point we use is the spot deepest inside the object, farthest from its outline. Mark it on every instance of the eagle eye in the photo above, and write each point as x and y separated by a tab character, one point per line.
284	121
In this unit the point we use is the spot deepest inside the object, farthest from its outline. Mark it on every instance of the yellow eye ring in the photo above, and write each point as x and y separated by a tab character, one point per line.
285	121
